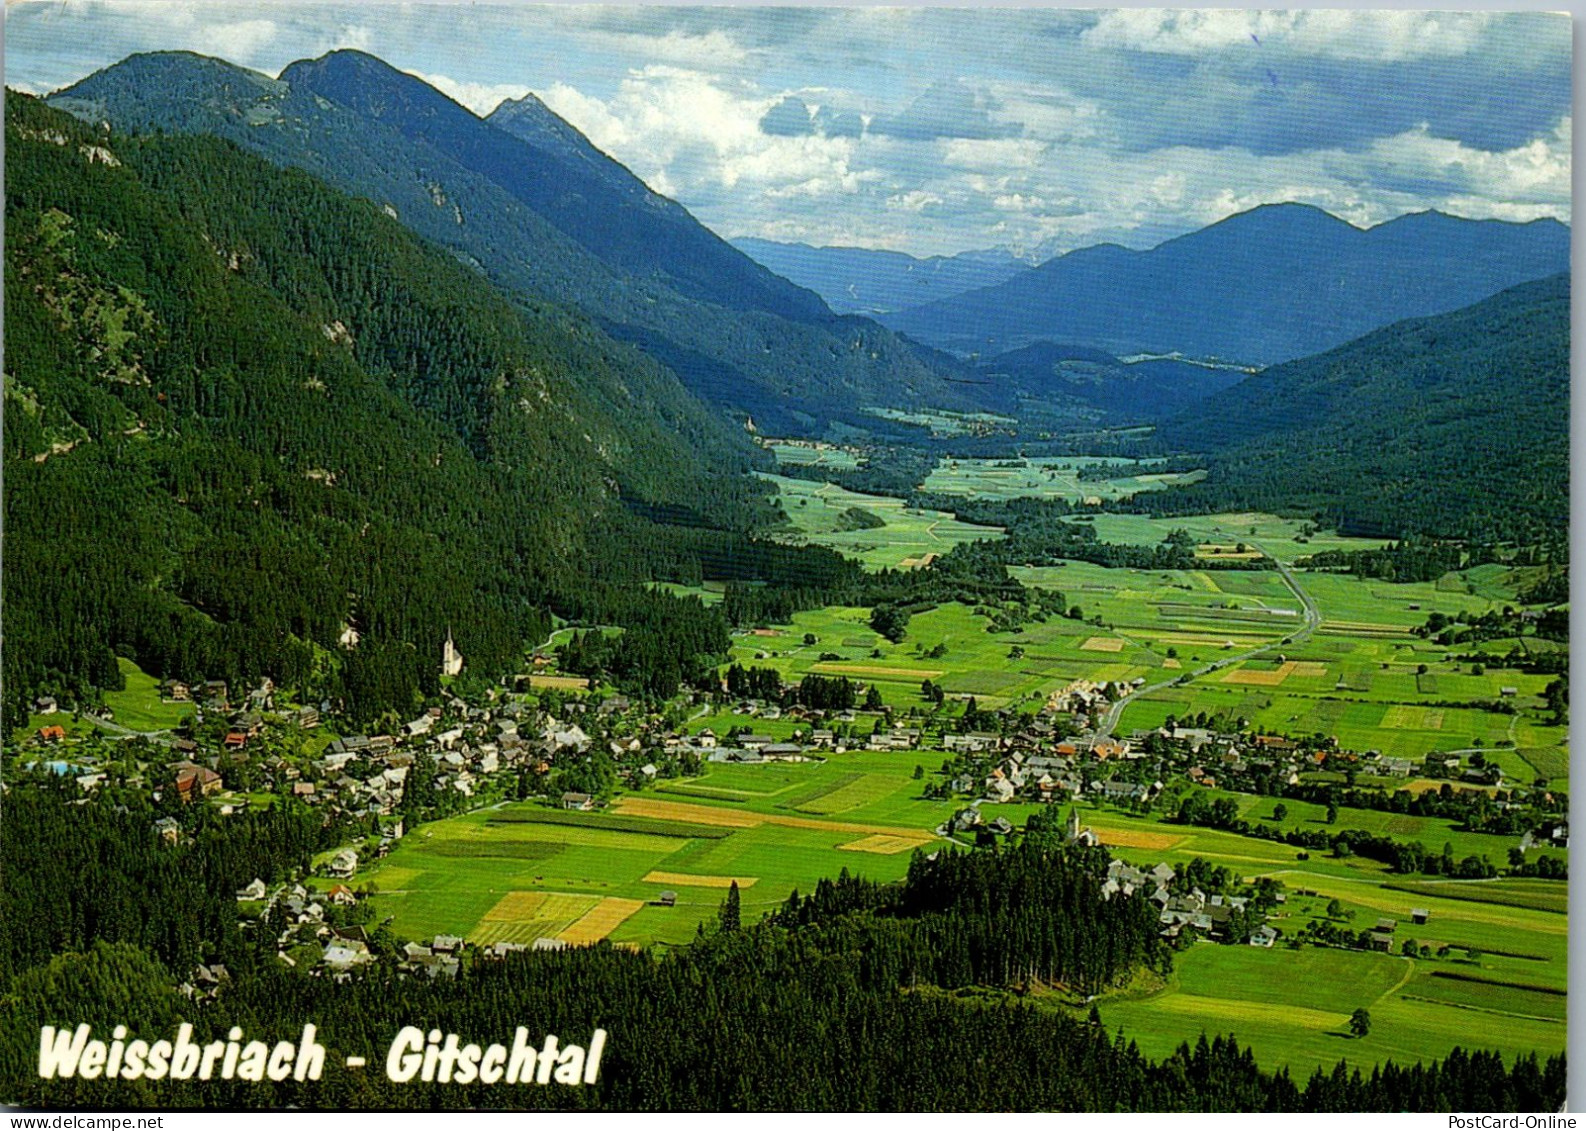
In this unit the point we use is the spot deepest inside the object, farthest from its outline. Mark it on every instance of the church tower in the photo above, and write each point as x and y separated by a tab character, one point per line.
451	658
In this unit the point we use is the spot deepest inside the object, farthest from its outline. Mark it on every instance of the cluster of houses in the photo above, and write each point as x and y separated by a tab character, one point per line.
1240	762
1180	910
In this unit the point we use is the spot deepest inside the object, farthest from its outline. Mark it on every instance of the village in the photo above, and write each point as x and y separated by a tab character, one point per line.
501	746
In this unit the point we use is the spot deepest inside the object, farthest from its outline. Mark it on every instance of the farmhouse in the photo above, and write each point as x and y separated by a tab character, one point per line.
580	802
196	781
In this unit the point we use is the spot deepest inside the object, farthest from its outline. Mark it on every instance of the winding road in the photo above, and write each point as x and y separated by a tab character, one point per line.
1313	618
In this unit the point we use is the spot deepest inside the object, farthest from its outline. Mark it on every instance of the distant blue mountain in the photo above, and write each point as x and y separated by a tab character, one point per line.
857	280
1278	282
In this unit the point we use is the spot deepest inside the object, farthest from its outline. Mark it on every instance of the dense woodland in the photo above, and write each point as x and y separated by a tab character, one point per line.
841	1000
1455	426
246	413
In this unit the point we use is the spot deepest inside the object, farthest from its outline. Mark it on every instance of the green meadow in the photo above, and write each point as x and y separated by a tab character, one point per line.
1279	537
820	515
975	662
483	875
813	454
139	707
1292	1007
1050	478
514	873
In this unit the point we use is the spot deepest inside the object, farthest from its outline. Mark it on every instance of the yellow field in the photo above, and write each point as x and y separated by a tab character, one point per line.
1233	638
1362	628
1102	644
680	811
885	845
1203	579
918	563
516	905
684	880
559	682
1137	838
839	668
1261	679
1310	668
523	916
1172	665
1213	552
1405	717
605	917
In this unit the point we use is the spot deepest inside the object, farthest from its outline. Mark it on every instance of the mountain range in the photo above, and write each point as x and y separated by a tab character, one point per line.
857	280
525	199
1264	286
291	356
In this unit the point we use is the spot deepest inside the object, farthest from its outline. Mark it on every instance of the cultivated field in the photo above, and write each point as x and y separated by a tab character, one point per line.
976	662
494	876
1292	1007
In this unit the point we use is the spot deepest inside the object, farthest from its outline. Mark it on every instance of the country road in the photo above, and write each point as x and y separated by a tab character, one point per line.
1313	618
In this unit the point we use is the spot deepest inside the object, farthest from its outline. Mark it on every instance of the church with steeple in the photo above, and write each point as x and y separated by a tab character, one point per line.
451	658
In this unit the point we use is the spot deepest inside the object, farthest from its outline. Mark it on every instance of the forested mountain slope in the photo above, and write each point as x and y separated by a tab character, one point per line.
1273	284
1456	425
244	411
541	213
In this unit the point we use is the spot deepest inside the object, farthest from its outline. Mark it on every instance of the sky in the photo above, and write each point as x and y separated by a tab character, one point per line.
940	130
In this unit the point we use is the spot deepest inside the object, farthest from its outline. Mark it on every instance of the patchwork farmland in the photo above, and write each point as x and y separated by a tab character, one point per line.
520	872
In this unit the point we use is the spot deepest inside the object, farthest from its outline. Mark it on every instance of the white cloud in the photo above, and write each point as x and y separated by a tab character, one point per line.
356	37
696	136
915	200
1376	36
993	154
1528	176
713	49
479	97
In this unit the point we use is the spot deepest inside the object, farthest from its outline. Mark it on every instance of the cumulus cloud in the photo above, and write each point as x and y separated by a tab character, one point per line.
949	109
479	97
915	200
1528	176
692	135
